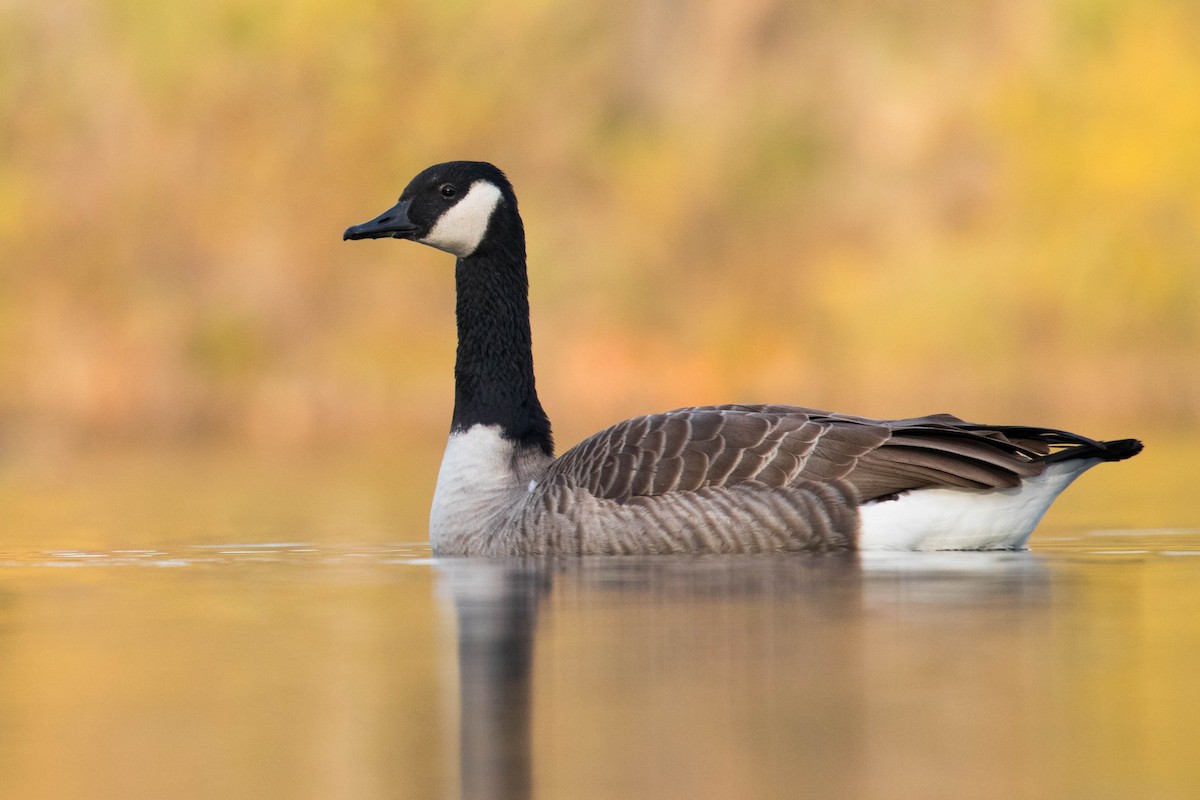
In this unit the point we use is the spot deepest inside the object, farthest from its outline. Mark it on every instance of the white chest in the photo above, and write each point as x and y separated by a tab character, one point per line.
477	483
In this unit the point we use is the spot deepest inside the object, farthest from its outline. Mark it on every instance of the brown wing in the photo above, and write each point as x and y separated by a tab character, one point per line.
715	446
695	448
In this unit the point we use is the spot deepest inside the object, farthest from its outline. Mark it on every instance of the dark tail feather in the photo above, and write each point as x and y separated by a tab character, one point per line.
1049	445
1116	450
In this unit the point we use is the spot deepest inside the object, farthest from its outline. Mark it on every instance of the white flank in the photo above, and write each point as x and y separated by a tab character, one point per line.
967	519
474	483
460	230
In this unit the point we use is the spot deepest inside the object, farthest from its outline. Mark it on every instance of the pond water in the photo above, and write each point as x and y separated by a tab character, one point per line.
184	646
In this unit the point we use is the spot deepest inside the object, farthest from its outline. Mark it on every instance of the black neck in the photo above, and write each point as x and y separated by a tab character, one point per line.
493	374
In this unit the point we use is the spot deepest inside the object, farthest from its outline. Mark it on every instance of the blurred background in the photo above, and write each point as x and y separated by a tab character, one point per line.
884	207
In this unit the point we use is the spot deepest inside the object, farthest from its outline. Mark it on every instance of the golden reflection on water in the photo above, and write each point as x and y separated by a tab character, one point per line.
908	675
275	637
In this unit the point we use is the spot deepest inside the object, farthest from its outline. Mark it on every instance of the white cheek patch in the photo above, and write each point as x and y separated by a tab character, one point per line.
462	227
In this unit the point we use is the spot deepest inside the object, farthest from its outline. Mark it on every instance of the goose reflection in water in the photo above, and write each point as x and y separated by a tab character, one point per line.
721	666
496	604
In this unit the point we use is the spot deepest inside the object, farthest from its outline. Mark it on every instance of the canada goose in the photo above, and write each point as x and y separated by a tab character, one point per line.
717	479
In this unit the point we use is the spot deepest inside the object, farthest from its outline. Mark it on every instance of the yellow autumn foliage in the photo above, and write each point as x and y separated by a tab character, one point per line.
890	208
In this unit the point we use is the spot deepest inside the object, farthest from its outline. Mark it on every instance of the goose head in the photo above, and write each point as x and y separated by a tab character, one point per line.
455	207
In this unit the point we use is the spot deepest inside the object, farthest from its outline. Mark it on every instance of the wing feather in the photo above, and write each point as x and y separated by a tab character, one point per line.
776	446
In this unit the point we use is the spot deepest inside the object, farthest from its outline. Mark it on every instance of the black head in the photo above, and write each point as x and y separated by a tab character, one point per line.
449	206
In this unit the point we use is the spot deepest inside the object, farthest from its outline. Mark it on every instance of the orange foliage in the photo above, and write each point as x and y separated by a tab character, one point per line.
889	208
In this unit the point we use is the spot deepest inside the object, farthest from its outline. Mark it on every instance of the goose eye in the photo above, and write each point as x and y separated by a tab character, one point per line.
447	190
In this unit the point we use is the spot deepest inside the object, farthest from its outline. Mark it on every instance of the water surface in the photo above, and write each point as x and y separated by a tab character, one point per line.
288	644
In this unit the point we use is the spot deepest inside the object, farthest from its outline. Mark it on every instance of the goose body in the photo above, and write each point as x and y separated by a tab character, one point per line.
714	479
